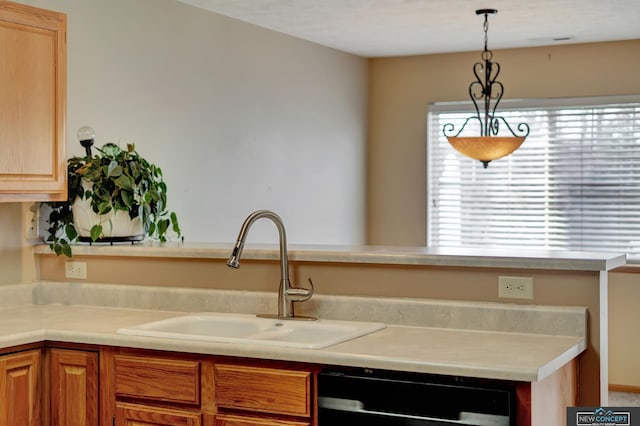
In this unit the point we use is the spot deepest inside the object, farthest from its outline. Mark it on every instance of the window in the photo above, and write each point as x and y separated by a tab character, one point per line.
574	184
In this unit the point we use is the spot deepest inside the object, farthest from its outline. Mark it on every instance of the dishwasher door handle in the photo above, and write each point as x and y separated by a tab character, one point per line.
466	418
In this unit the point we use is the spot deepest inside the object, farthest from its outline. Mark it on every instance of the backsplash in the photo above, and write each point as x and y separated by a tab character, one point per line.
554	320
12	295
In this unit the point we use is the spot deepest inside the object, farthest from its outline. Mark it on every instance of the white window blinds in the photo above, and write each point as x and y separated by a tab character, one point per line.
574	184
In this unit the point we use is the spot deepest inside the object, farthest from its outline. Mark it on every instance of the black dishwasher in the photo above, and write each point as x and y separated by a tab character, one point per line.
377	398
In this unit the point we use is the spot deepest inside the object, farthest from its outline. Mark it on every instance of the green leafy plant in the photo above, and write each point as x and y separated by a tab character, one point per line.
117	180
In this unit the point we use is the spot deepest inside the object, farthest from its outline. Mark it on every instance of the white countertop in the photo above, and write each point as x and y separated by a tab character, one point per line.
520	259
507	355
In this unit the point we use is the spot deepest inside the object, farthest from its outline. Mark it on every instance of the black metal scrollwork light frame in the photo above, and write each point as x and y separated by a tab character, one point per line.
488	91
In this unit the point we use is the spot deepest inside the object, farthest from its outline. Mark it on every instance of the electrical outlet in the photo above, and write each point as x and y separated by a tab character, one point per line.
76	270
515	287
32	223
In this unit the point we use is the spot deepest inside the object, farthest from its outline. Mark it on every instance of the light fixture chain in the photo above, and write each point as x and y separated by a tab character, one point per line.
487	91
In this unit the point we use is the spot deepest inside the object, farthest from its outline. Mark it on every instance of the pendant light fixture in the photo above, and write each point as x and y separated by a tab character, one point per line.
486	92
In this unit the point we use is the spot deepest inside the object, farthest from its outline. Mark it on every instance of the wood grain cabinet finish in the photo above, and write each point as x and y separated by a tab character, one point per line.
149	388
265	390
33	104
235	420
157	379
140	415
74	387
20	389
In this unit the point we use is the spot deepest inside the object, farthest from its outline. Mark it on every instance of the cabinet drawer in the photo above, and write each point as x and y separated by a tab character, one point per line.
233	420
133	414
157	379
265	390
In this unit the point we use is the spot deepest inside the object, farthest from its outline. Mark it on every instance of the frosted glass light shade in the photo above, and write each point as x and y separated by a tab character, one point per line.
485	148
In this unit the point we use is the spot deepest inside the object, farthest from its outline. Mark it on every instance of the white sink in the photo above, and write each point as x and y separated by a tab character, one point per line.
246	328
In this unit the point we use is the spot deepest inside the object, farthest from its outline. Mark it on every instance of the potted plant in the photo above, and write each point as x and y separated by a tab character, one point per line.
114	187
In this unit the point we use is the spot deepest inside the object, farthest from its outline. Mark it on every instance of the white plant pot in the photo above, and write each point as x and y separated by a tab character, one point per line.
115	224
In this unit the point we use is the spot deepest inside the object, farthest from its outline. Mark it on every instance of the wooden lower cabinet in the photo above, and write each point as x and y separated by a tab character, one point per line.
109	386
545	402
153	388
159	379
263	389
149	388
140	415
73	387
20	388
235	420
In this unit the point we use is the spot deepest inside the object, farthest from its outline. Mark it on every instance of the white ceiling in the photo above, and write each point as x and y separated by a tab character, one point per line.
378	28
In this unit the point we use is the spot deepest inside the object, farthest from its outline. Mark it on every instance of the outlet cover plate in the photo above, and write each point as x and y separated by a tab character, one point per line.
76	270
515	287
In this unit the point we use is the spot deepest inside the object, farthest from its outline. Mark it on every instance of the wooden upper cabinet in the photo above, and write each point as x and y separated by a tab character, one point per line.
32	103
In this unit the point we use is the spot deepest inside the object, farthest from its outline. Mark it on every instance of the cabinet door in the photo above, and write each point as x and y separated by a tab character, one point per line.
32	104
74	388
140	415
20	393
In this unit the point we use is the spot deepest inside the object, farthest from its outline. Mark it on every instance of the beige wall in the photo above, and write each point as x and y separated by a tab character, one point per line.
401	90
10	243
238	117
17	263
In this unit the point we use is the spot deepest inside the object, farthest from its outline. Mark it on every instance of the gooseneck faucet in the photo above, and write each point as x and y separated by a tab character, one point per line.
287	294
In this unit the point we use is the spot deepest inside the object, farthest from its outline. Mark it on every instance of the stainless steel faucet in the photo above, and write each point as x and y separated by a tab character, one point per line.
287	294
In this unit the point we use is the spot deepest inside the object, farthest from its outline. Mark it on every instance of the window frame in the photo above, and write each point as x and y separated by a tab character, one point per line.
504	108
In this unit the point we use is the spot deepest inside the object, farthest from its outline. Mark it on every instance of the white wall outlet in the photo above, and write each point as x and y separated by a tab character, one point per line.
32	222
76	270
515	287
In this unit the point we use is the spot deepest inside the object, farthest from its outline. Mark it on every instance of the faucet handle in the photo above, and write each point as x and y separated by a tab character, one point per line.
300	294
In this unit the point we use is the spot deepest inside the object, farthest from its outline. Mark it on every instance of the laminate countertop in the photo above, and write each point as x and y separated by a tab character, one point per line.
439	337
391	255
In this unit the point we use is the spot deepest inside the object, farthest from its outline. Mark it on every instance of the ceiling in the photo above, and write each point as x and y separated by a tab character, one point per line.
380	28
